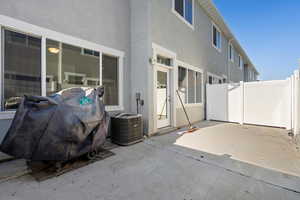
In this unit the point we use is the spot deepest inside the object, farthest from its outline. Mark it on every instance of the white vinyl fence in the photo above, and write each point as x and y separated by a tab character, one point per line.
268	103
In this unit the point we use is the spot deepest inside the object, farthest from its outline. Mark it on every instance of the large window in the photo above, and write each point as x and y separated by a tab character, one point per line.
35	65
216	37
185	9
69	66
190	85
22	68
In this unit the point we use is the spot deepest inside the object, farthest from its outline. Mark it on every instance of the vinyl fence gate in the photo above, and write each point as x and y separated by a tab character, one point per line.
267	103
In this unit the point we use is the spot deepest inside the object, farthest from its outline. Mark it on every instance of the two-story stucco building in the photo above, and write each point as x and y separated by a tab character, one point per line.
142	51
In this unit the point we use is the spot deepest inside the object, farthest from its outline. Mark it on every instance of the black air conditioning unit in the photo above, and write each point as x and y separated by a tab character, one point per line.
126	129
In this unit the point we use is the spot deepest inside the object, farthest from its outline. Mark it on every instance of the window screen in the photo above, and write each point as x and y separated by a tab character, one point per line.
110	80
179	6
189	11
22	67
191	86
216	37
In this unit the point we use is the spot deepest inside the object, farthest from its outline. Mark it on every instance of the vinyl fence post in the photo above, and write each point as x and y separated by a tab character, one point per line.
242	102
296	103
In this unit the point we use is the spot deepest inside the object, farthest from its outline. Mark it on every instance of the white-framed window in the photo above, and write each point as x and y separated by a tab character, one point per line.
241	62
38	61
184	9
231	52
190	84
216	37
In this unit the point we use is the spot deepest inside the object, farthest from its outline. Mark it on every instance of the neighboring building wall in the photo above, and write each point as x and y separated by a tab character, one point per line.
104	22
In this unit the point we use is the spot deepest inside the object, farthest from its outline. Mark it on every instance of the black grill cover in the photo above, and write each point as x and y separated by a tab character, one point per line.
59	127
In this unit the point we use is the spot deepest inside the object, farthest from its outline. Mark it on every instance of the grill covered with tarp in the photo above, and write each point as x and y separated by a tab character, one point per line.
60	127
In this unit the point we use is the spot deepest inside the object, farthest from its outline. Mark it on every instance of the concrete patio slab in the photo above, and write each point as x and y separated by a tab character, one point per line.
266	147
161	168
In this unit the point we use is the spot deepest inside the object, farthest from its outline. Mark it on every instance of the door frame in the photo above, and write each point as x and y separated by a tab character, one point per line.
159	50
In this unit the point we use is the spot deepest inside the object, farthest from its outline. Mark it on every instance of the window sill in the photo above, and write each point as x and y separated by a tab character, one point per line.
218	49
184	20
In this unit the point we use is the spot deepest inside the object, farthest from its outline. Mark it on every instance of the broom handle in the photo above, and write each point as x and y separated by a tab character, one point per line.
187	117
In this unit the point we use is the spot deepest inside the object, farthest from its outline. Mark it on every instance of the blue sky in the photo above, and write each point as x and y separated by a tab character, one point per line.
268	30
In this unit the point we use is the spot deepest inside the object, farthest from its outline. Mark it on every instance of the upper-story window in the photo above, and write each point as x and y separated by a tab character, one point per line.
241	62
231	52
216	37
185	8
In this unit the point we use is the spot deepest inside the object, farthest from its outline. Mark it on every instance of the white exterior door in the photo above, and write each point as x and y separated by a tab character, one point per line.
162	97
